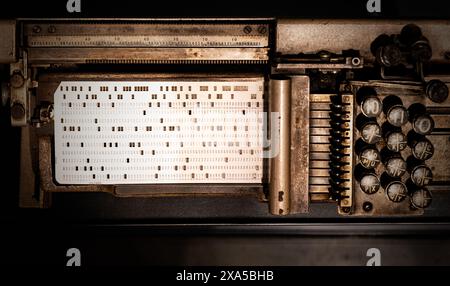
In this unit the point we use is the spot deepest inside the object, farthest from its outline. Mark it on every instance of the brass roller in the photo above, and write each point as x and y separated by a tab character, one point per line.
280	95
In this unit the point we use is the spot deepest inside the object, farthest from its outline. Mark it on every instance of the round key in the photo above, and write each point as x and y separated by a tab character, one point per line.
421	198
396	191
371	106
370	184
423	124
396	141
423	149
371	133
397	115
421	175
395	167
437	91
369	158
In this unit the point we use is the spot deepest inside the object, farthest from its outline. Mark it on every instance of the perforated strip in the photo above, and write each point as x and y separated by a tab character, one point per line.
151	132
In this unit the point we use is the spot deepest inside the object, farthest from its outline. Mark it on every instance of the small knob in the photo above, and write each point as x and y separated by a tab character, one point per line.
437	91
17	80
380	41
389	56
410	34
17	111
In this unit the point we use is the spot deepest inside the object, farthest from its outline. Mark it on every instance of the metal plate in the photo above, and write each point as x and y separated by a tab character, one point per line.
117	132
172	42
311	36
171	34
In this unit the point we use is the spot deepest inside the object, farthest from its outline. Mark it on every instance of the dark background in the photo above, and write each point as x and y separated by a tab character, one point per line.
393	9
201	231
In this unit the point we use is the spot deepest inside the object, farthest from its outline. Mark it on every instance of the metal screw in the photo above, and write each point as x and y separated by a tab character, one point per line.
51	29
367	206
247	29
356	61
262	29
346	209
37	29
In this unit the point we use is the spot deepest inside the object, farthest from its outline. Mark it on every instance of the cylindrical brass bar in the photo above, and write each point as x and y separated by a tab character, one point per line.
280	94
